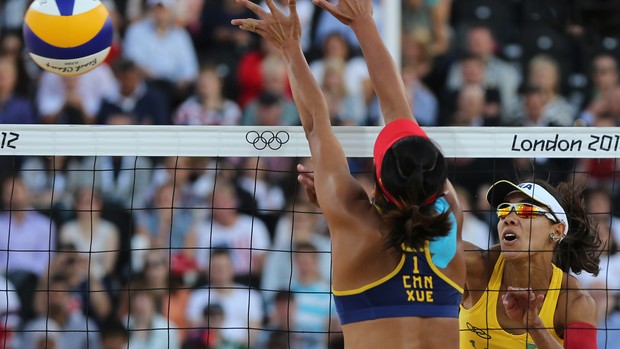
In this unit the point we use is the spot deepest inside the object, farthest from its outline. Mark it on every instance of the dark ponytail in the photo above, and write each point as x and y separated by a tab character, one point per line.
581	249
414	171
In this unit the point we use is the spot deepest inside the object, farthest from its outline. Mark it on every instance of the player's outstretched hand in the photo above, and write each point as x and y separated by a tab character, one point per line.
273	25
306	178
347	11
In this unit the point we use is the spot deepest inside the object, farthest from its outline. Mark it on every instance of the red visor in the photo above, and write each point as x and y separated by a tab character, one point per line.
390	134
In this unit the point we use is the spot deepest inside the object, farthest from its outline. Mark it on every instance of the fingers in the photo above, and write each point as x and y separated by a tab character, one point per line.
303	169
325	5
248	24
272	6
259	11
292	4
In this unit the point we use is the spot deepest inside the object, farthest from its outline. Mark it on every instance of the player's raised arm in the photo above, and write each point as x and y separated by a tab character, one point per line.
384	74
329	161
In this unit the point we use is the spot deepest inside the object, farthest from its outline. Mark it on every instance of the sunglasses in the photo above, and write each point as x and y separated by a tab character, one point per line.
523	210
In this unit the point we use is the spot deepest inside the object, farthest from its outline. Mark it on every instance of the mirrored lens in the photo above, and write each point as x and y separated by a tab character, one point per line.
526	211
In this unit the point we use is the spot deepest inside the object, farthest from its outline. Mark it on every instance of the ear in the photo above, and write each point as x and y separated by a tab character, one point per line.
557	232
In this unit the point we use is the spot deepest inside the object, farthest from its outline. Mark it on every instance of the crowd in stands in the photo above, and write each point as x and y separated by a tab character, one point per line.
134	252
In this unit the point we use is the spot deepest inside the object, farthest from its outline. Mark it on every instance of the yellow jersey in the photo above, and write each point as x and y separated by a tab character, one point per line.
480	329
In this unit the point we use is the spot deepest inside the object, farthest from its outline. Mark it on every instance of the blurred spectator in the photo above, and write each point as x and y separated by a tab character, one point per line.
188	14
480	42
421	99
208	106
12	14
42	333
209	335
473	74
146	104
89	293
356	79
474	229
604	77
163	50
274	105
470	107
271	110
148	328
218	41
416	52
430	16
74	99
191	177
281	322
46	180
600	207
533	108
12	47
315	313
168	279
9	313
603	111
243	307
257	182
609	328
27	239
302	224
14	109
249	74
167	222
483	210
544	76
92	235
324	25
114	335
246	236
122	180
75	330
345	108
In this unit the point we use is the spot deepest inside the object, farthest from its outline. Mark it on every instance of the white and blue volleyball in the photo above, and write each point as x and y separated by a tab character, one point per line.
68	37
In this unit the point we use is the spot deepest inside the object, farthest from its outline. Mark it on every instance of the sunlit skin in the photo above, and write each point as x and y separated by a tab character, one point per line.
529	245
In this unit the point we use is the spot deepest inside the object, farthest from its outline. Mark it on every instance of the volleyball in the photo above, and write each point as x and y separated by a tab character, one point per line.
68	37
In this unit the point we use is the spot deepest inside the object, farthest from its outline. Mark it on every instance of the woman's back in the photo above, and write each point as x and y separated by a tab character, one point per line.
407	293
403	333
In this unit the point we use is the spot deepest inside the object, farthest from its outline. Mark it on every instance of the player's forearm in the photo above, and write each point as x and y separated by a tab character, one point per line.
306	91
384	73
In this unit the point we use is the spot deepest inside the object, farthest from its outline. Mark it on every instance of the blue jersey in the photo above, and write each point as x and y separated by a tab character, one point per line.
415	288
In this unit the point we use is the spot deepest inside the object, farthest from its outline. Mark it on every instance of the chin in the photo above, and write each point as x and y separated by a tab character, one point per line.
513	253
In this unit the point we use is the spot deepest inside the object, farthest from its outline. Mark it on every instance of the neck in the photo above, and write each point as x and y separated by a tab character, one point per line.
162	28
88	221
213	101
307	279
18	215
61	319
143	322
535	272
4	96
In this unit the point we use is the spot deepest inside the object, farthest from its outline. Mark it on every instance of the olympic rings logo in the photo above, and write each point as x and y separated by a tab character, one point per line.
266	139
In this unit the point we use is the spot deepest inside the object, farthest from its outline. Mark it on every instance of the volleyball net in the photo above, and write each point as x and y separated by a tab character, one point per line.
201	237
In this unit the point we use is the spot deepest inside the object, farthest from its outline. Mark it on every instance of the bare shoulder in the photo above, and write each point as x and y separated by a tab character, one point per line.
479	265
478	259
575	304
